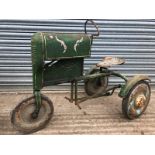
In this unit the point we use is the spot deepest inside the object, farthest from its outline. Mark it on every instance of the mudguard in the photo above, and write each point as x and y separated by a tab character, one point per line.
127	87
91	70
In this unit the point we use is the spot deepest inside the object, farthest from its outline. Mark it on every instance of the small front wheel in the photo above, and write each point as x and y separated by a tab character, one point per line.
22	118
137	100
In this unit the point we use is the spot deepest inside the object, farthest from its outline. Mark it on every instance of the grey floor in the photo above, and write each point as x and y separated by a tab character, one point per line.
98	116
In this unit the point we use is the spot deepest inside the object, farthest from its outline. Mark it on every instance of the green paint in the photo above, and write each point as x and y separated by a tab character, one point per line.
69	51
63	45
130	83
37	49
38	100
64	70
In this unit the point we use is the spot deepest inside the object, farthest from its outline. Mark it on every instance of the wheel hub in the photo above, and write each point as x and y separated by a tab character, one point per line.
34	115
140	100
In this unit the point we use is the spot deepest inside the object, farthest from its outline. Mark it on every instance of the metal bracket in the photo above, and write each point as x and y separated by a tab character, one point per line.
37	96
77	100
106	93
74	91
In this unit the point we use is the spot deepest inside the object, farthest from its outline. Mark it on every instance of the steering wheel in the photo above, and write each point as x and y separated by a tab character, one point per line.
93	23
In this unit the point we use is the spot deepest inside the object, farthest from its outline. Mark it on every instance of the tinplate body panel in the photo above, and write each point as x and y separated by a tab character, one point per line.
67	49
64	70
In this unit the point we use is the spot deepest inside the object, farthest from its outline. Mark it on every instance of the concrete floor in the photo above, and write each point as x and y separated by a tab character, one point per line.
98	116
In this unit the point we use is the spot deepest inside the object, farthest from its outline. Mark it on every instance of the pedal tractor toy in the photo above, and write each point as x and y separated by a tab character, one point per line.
65	53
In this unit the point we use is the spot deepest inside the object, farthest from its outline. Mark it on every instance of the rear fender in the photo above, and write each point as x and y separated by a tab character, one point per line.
127	87
92	70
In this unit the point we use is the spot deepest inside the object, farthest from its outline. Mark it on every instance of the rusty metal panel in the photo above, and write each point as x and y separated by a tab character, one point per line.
133	40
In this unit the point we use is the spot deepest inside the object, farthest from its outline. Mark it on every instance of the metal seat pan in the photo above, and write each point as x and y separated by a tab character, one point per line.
110	61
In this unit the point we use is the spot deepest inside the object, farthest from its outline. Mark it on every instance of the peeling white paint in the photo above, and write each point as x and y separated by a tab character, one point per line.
62	44
77	43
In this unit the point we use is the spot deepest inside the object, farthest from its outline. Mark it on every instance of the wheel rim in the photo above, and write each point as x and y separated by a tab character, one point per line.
96	85
138	100
22	115
25	112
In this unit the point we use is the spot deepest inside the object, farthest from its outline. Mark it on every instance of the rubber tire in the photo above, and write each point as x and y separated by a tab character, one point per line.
88	84
126	100
32	125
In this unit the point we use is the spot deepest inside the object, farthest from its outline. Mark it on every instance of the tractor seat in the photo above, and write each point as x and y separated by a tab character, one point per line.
110	61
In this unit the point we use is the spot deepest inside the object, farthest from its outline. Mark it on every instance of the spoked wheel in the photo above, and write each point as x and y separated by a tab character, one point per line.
137	100
96	85
22	115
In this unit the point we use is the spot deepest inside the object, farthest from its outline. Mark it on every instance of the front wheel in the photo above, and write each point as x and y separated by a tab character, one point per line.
22	115
137	100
